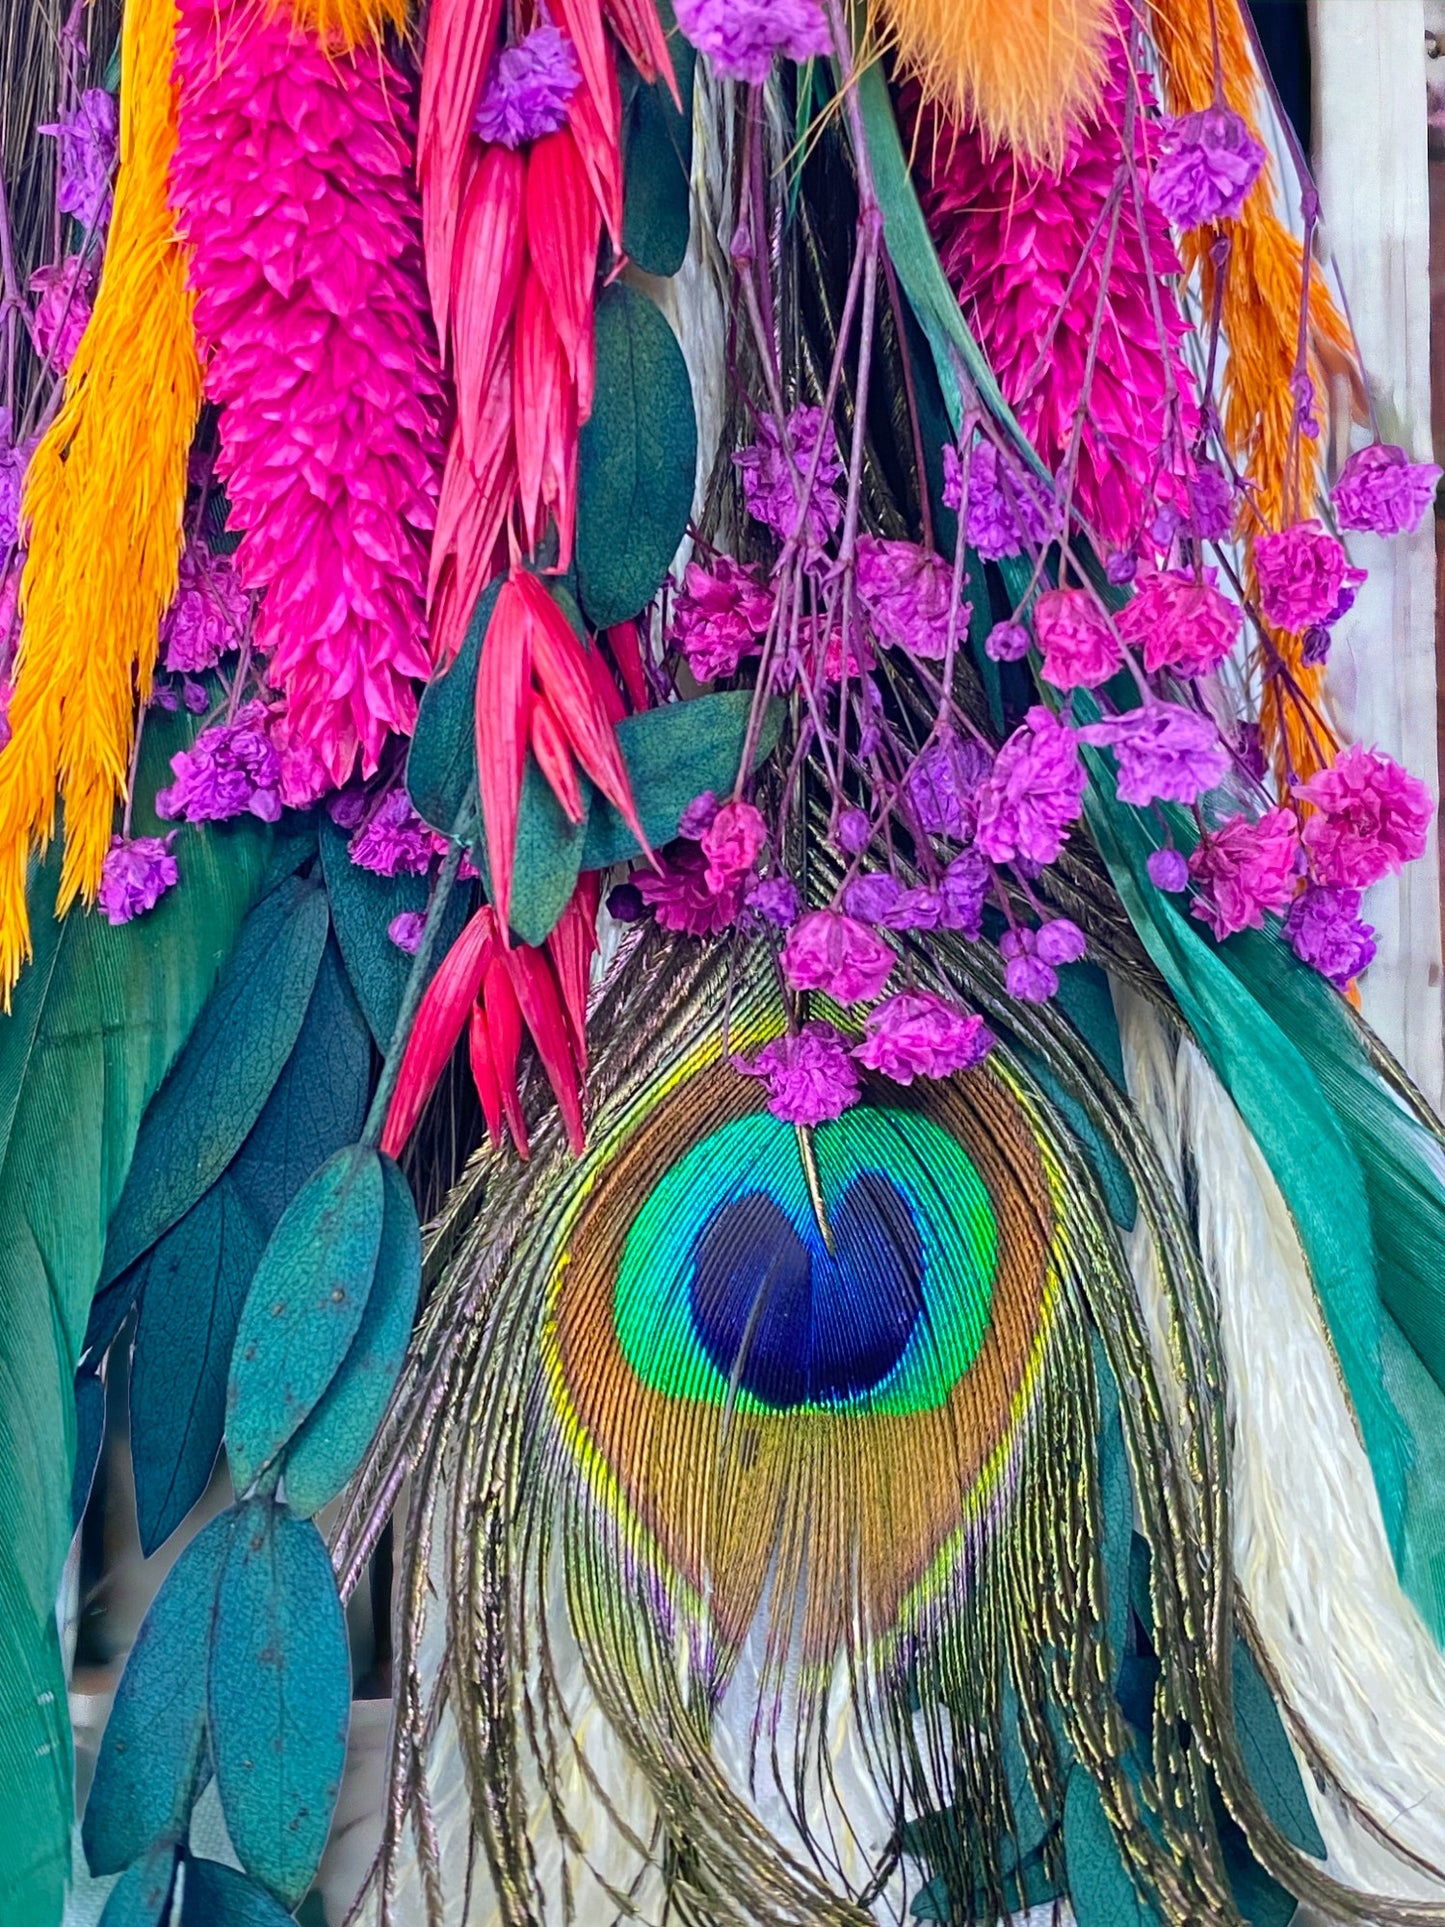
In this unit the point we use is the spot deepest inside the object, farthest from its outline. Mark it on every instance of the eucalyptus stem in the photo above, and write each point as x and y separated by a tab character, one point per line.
411	998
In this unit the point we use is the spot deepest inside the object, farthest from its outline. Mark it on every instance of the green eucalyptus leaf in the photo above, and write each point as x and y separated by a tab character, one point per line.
279	1694
1101	1888
326	1449
217	1896
441	765
213	1096
657	168
303	1309
1268	1756
637	459
363	905
673	754
153	1751
97	1020
1261	1901
548	856
141	1897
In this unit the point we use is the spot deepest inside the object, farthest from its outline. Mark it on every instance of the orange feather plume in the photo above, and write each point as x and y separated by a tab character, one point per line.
103	501
1260	317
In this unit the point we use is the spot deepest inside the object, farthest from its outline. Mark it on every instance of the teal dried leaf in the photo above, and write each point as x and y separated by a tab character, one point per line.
213	1096
637	459
1268	1757
362	908
548	856
657	168
279	1696
324	1453
1101	1888
89	1436
141	1897
303	1309
1258	1896
196	1281
673	754
153	1750
217	1896
441	765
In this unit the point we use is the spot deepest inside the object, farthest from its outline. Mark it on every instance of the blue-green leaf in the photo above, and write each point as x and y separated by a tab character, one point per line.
280	1696
657	165
1101	1888
324	1453
303	1309
140	1898
217	1896
673	754
1268	1757
441	765
637	459
214	1095
89	1437
151	1756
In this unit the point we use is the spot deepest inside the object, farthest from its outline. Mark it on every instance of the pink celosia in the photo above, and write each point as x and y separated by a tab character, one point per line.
294	189
1034	793
1079	646
1180	623
1304	577
918	1034
1023	244
1372	818
1243	869
837	955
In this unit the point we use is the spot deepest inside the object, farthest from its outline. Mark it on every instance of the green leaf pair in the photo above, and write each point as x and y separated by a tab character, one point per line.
241	1663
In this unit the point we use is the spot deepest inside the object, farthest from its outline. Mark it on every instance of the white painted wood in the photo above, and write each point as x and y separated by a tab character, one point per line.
1370	137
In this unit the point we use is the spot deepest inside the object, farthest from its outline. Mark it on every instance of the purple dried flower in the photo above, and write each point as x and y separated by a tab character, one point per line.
1211	497
347	808
776	901
1382	491
231	769
1027	975
395	842
853	833
732	844
406	930
529	88
135	875
772	485
907	593
1204	166
917	1034
679	896
697	818
810	1076
1121	567
1007	509
87	137
870	898
1325	930
1167	870
943	787
1059	941
626	903
719	616
740	37
1035	792
962	893
1315	646
62	310
14	459
1304	577
1165	752
1006	642
207	617
837	955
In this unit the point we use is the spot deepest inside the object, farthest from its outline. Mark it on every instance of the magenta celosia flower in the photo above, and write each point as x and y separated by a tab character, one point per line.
943	785
1325	930
1007	509
1382	492
207	617
1204	165
732	844
1167	870
810	1076
231	769
962	893
679	896
293	184
1080	647
1020	243
406	930
87	139
907	593
394	841
1007	642
773	485
720	615
1180	623
741	37
918	1034
838	955
1304	577
1243	869
529	89
135	875
1166	753
62	310
1372	818
1034	793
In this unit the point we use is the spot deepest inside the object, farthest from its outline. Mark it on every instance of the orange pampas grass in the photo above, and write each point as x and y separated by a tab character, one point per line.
103	501
344	24
1260	316
1024	71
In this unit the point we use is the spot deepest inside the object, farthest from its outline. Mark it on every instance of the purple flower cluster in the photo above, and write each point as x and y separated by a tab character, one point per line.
742	37
773	483
87	138
394	841
529	89
1204	166
135	875
208	615
232	769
